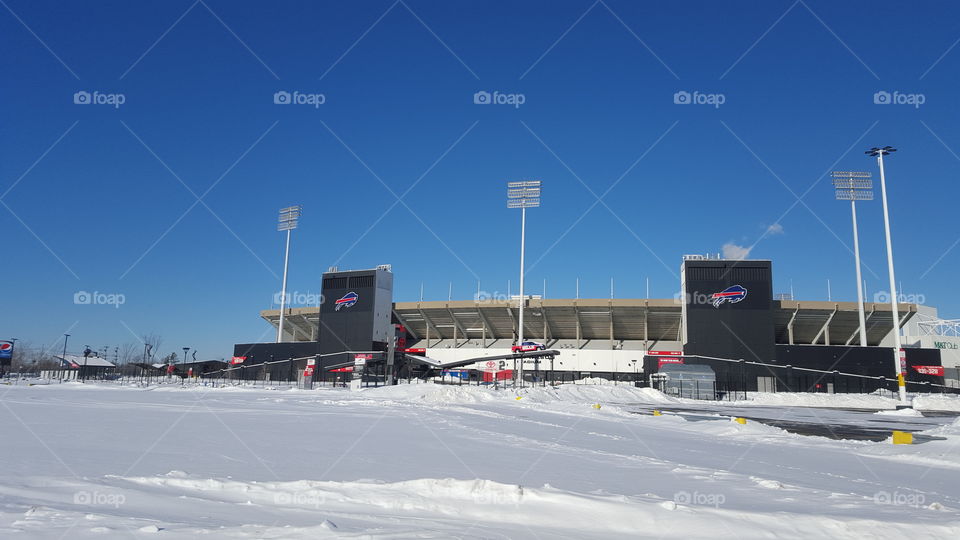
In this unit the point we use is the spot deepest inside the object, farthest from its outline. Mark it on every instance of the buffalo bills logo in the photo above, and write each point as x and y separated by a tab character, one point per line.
732	294
348	300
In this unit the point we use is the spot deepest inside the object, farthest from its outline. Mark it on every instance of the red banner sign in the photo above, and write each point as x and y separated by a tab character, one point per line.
342	370
929	370
237	359
667	360
664	353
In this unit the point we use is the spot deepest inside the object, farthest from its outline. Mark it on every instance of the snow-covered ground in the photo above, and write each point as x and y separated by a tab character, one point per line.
432	461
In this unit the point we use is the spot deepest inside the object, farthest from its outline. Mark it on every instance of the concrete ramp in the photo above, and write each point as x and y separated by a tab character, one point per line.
466	362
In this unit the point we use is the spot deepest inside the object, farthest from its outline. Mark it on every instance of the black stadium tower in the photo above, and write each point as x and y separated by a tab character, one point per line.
356	310
728	309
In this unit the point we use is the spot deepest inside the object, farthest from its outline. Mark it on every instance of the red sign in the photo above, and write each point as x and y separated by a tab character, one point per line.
929	370
667	360
503	375
489	365
664	353
237	359
308	372
415	351
342	370
363	357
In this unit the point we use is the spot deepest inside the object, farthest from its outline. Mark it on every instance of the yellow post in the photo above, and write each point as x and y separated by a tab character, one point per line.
902	437
596	405
657	413
519	398
740	420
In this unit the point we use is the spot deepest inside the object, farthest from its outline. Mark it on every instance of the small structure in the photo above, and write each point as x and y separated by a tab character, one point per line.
74	367
687	381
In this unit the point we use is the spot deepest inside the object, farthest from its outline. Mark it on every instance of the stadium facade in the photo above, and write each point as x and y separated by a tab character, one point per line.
726	312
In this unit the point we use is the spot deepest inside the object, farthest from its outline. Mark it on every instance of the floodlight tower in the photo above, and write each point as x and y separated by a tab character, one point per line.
855	186
289	217
523	195
899	356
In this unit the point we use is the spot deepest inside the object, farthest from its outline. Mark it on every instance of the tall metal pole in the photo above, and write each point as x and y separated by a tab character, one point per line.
898	354
855	186
856	255
288	220
183	365
283	288
523	245
65	336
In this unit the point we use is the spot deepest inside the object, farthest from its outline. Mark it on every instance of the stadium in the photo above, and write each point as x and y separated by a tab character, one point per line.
725	320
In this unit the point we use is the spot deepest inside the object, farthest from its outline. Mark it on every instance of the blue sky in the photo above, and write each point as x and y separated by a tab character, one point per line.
98	197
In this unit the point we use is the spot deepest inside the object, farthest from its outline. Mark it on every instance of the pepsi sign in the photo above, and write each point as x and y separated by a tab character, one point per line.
6	350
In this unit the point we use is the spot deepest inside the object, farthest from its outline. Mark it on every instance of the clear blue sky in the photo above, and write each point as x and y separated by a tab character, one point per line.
103	198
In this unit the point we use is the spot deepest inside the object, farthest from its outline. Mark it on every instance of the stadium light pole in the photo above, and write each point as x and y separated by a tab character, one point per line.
523	195
855	186
899	356
287	221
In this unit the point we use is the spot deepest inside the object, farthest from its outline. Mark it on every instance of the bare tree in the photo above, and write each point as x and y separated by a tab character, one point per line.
151	342
129	352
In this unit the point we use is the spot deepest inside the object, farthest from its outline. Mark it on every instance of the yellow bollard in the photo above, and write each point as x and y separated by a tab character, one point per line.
657	413
902	437
519	398
740	420
596	405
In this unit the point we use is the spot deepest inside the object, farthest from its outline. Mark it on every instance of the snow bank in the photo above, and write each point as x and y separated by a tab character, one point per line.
901	412
937	402
537	510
